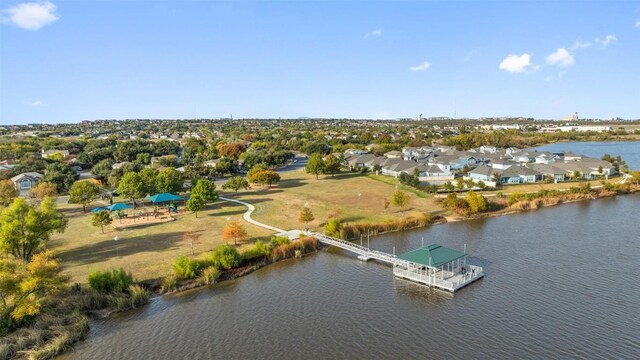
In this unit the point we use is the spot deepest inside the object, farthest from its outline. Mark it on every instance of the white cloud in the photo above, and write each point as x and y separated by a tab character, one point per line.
35	103
422	67
606	41
560	57
32	16
373	33
516	63
580	45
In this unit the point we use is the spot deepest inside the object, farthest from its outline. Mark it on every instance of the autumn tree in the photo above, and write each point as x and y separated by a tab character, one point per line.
101	218
306	216
24	230
400	199
236	183
43	189
234	231
83	192
8	192
25	286
315	165
232	150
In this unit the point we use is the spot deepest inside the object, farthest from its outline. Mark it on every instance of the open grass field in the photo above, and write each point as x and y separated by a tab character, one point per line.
147	251
349	196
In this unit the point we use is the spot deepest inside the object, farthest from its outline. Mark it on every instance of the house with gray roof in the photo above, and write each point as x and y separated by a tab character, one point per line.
25	181
519	175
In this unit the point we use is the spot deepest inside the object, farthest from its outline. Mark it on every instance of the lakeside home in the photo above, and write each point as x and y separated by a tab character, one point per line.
437	165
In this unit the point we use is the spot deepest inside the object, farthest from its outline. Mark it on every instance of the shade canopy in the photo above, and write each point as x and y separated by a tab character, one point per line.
118	206
164	197
433	255
94	210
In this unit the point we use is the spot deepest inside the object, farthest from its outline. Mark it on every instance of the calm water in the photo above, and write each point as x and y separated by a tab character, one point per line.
561	282
629	151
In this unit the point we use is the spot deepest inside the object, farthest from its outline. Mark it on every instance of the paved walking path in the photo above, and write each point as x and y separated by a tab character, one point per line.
247	215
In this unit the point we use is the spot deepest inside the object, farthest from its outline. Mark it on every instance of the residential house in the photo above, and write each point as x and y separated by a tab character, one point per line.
393	155
483	173
550	171
25	181
519	175
502	164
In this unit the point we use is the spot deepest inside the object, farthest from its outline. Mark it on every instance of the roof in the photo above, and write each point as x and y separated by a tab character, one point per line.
433	255
34	176
158	198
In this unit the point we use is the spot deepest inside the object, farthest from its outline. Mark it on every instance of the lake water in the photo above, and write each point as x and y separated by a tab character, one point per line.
629	151
561	282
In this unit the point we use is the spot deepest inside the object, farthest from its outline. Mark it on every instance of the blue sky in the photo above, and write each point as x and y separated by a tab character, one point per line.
66	61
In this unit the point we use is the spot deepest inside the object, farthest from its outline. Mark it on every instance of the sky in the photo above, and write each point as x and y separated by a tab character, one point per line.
68	61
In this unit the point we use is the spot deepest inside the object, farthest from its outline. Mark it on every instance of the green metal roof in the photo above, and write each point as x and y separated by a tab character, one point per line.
433	255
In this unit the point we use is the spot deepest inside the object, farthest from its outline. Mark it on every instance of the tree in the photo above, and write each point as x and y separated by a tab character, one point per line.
331	165
448	186
191	238
306	216
400	199
8	192
102	170
234	231
232	150
460	184
236	183
132	187
195	204
477	203
59	174
267	177
315	165
169	180
377	168
24	287
101	218
205	190
24	230
226	165
83	192
148	177
43	189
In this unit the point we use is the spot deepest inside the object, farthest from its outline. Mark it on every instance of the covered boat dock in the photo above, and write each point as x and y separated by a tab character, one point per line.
438	266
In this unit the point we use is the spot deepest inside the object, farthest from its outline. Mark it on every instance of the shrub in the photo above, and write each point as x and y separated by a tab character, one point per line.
225	257
210	275
259	249
278	240
139	295
186	268
333	227
116	281
168	283
303	245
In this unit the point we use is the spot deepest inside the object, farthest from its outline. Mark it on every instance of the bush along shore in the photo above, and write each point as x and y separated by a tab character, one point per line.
475	205
335	228
63	320
226	263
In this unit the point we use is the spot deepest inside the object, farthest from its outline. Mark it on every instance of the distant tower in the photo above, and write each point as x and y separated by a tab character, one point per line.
420	117
575	116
